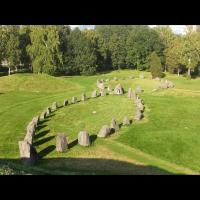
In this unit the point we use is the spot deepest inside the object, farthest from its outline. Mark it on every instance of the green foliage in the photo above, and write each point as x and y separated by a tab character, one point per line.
45	50
155	65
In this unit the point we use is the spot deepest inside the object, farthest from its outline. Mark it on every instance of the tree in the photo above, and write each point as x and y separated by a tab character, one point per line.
155	65
45	50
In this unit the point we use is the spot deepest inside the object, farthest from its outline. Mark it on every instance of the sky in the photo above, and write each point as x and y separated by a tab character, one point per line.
180	29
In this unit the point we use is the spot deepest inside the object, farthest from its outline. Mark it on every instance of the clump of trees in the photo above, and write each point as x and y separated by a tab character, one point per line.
56	49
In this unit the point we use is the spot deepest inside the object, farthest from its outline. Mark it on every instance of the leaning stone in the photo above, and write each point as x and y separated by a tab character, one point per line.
65	102
119	89
83	97
138	115
133	95
114	125
74	100
61	142
94	94
138	89
84	138
54	106
28	153
126	121
104	132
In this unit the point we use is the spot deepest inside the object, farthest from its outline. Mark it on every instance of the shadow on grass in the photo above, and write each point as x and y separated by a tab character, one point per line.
42	141
72	144
93	138
41	134
46	151
39	127
95	166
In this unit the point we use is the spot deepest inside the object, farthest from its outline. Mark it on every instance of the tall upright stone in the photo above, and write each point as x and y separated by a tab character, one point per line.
61	142
114	125
100	84
138	115
84	138
104	131
43	115
74	100
28	153
35	121
129	92
83	97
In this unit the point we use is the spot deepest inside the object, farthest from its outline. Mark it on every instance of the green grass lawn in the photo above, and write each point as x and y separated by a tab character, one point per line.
166	141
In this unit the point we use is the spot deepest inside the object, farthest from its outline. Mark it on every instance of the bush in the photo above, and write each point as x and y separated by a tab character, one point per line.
155	66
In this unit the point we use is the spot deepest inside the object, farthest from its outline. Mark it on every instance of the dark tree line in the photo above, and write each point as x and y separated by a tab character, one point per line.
56	49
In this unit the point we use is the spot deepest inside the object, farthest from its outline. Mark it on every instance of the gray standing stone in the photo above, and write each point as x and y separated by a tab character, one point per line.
94	94
104	131
138	89
102	93
43	115
35	121
83	97
114	125
84	138
138	115
126	121
140	107
65	102
30	134
129	92
28	153
100	84
61	143
54	106
119	89
48	111
74	100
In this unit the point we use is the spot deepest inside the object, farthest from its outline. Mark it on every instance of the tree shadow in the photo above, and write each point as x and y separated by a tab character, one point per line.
46	151
72	144
41	134
42	141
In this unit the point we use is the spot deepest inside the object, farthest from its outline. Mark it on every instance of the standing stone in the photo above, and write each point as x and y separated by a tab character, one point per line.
28	153
83	97
133	95
138	115
100	84
141	76
35	121
65	102
94	94
74	99
43	115
61	142
54	106
114	125
129	92
140	107
126	121
102	93
119	89
84	138
104	132
48	111
138	89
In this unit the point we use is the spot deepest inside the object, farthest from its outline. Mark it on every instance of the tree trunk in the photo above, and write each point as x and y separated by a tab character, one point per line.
165	68
8	71
189	71
178	72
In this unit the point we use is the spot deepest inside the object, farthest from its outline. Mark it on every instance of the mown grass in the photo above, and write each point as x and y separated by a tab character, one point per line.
168	134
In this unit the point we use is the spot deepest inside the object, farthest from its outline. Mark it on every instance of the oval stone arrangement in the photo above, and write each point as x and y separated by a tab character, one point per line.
28	153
